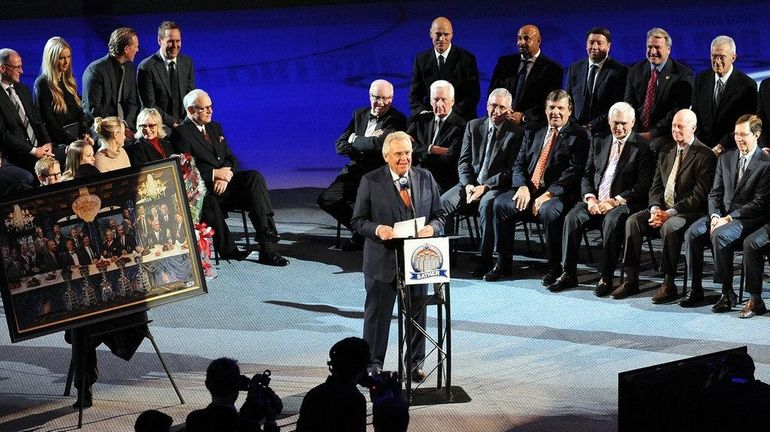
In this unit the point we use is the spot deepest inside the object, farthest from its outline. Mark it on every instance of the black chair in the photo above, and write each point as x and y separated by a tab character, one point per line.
226	210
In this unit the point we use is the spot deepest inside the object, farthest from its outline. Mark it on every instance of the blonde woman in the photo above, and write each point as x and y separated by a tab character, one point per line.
56	94
112	135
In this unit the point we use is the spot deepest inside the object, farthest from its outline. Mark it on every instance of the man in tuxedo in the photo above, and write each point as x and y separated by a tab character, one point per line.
447	62
59	238
382	200
23	136
109	83
617	179
244	189
490	146
721	95
658	87
530	76
166	76
596	82
124	243
678	197
737	206
73	257
88	251
108	247
437	136
362	143
546	181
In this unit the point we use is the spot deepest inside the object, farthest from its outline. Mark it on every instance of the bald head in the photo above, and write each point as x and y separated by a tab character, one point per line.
441	34
528	40
380	96
683	126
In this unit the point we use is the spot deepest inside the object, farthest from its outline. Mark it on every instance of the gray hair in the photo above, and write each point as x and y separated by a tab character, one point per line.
190	98
5	54
660	33
724	40
622	108
442	84
383	83
393	136
150	113
501	92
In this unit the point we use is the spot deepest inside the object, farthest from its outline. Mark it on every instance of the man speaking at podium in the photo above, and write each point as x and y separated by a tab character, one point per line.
395	192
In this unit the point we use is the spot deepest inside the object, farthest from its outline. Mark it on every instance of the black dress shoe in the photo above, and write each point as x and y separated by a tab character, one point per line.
236	255
725	303
693	298
603	288
273	259
564	281
498	272
753	308
481	269
550	277
266	234
419	375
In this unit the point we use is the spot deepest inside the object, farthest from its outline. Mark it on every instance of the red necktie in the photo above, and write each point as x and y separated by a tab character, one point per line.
542	161
649	99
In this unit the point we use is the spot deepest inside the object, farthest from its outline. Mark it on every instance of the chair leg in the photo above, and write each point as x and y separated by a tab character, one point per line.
245	229
540	236
471	233
526	236
70	376
339	234
652	254
588	246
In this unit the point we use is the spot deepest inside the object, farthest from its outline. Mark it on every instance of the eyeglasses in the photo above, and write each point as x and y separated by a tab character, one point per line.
205	108
16	68
381	98
742	134
55	175
148	126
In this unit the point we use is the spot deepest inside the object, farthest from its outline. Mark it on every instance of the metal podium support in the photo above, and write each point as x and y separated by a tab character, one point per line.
441	345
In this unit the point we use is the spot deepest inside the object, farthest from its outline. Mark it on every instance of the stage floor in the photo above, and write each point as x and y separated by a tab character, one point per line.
530	360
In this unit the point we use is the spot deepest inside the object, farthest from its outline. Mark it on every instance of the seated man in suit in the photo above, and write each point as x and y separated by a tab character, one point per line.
88	251
23	136
156	236
617	180
51	258
490	147
109	83
246	189
737	206
108	247
721	95
446	62
382	201
166	76
596	82
678	197
124	243
546	181
530	76
72	257
657	87
362	143
437	136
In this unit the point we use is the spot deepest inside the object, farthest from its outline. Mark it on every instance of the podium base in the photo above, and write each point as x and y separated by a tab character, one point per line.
438	396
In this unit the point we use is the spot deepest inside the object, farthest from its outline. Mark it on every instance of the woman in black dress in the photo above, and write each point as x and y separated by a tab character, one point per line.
56	95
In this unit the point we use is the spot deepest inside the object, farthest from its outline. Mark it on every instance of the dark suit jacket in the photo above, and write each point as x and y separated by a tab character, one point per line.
673	93
544	77
186	138
365	153
696	175
633	174
503	156
566	164
119	247
155	88
14	141
715	124
67	261
100	91
378	203
748	199
153	239
763	111
141	151
51	261
459	69
86	259
450	136
609	87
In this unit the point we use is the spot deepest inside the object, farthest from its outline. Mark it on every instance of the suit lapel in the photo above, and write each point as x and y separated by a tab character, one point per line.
160	66
537	146
687	160
6	98
580	86
389	190
663	82
604	154
625	155
198	136
749	168
415	187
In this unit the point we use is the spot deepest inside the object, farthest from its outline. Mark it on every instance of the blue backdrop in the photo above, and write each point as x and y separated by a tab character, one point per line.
285	81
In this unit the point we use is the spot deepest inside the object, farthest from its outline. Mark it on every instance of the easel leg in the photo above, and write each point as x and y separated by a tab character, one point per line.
163	362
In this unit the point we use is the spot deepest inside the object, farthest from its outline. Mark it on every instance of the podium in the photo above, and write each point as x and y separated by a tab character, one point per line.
426	261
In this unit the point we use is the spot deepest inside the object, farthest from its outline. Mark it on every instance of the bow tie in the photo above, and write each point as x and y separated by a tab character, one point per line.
374	117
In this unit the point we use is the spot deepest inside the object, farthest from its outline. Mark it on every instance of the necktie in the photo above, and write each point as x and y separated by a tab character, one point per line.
437	130
542	161
669	194
742	169
22	115
491	142
403	191
174	81
609	172
588	95
441	62
649	99
120	92
521	78
718	92
206	136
